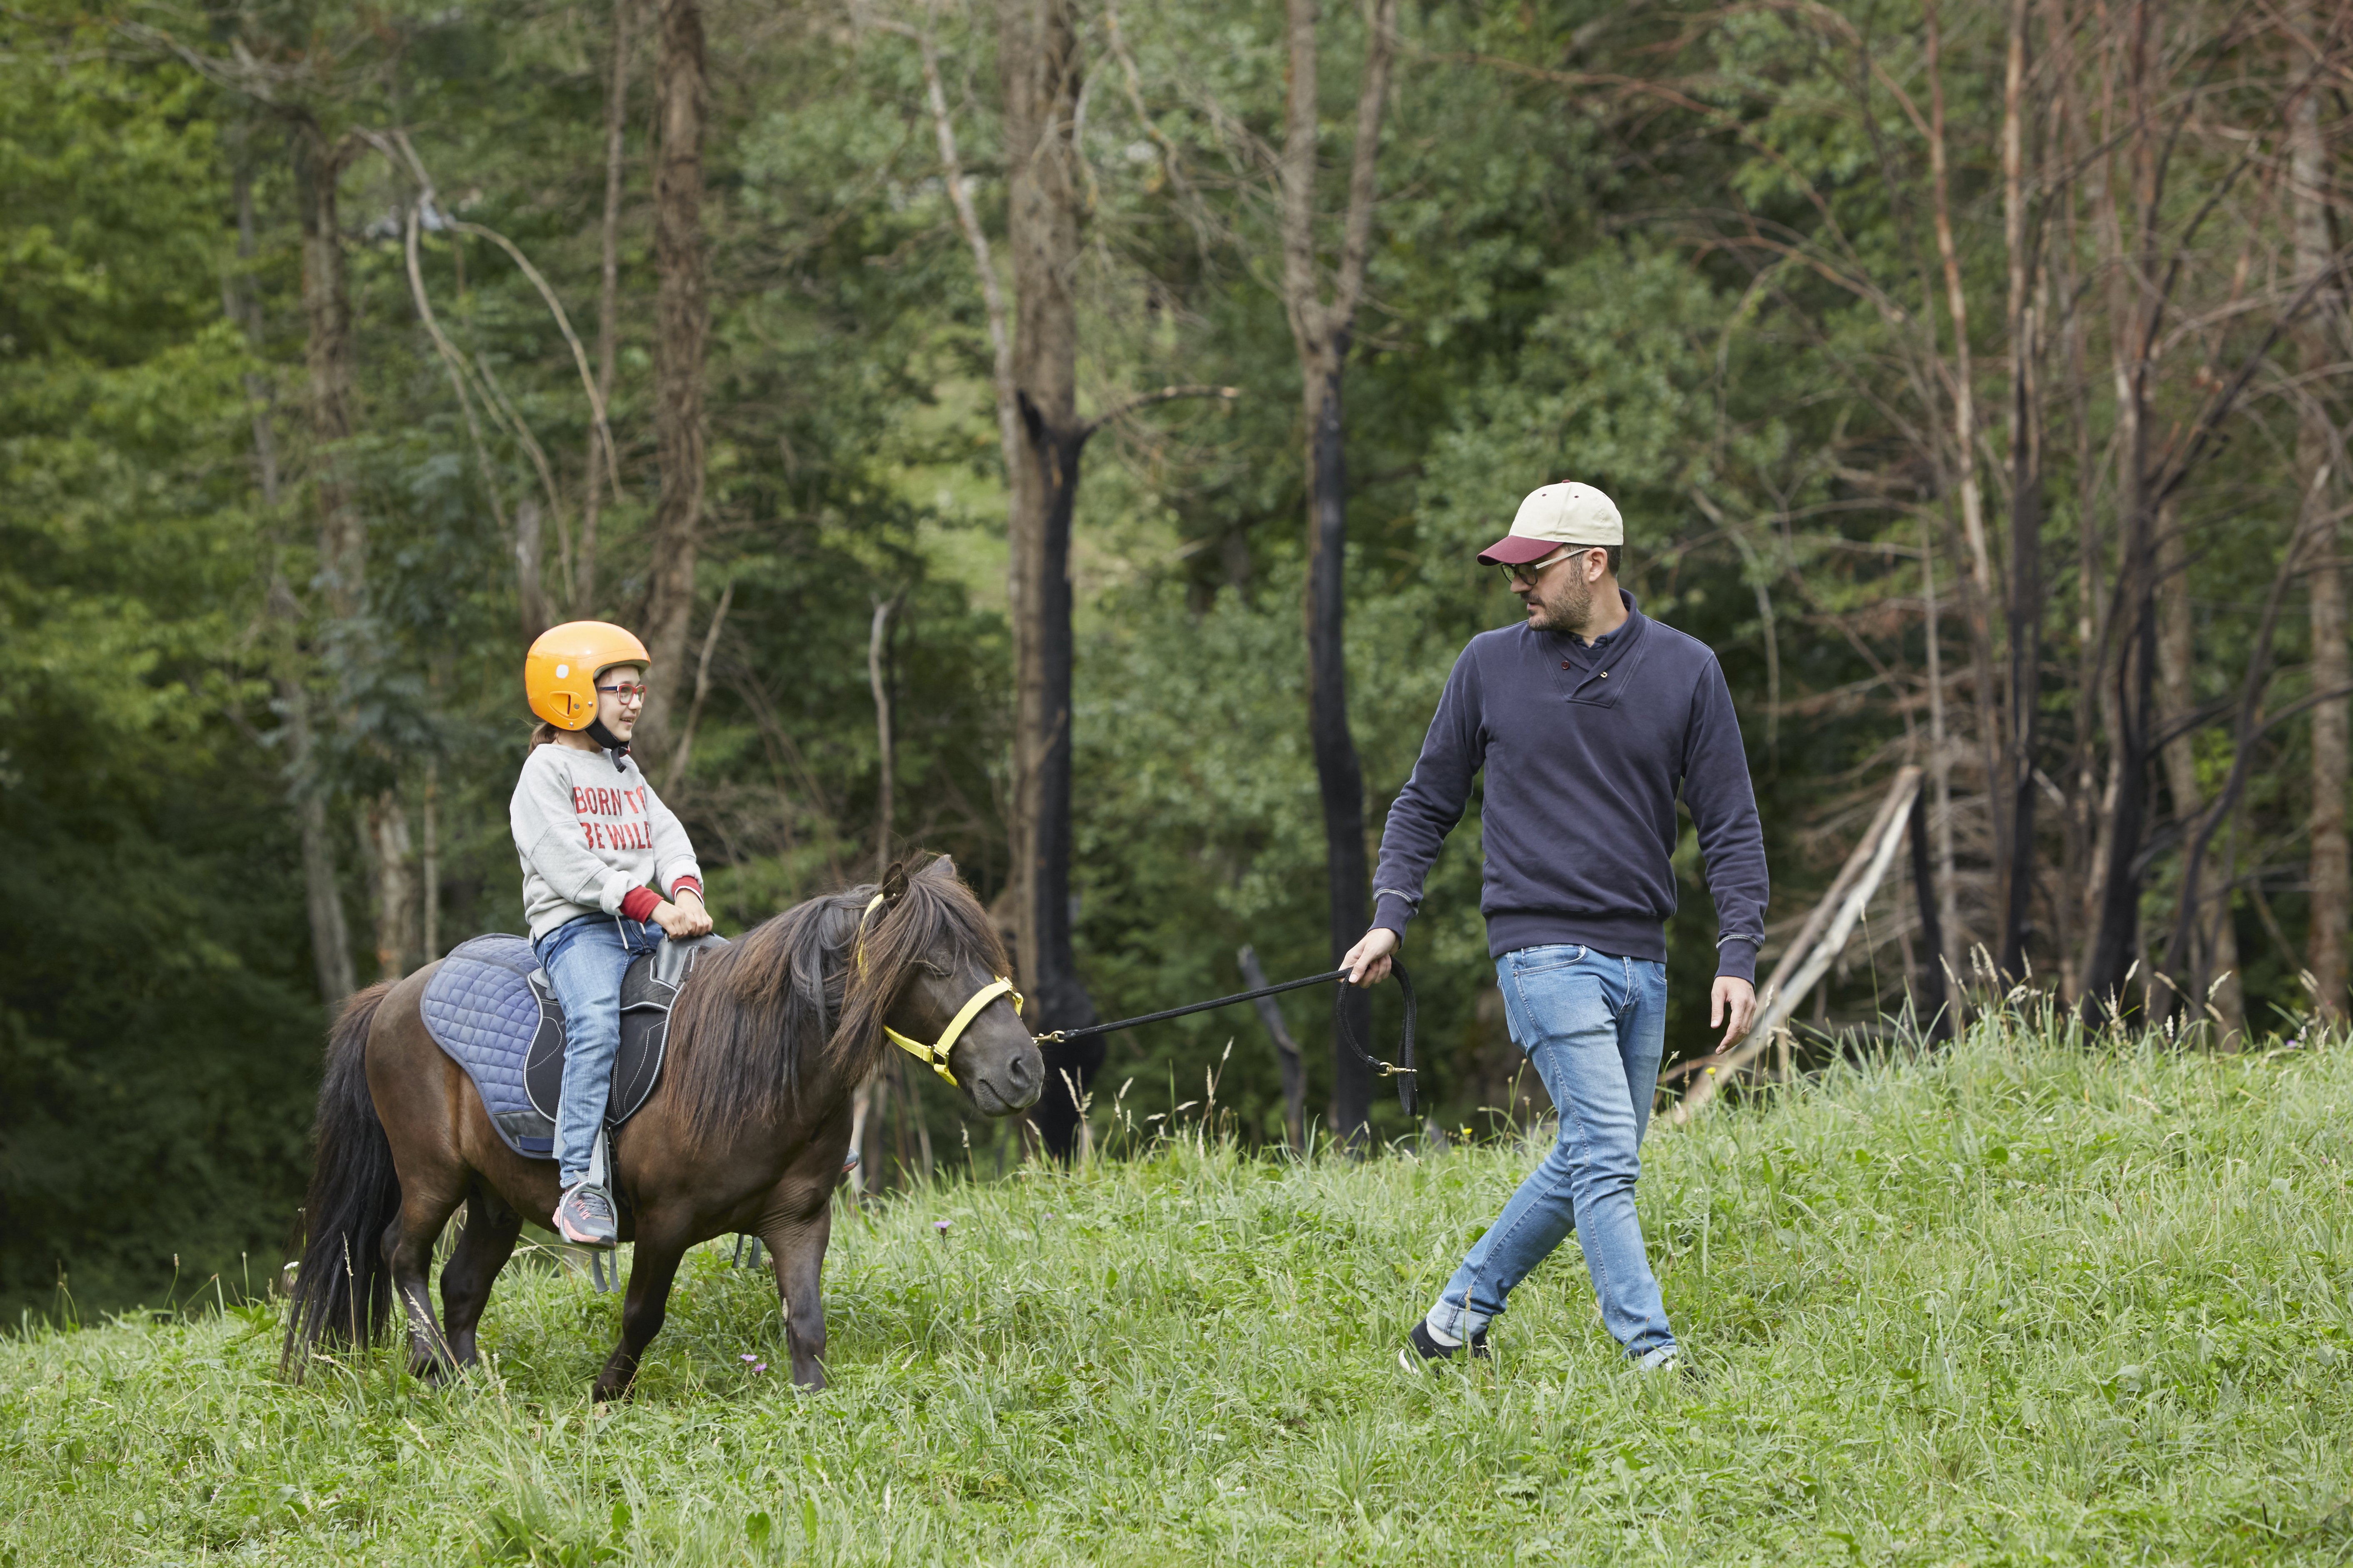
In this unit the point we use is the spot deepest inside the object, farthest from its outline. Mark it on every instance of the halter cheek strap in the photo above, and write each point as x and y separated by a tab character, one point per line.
935	1055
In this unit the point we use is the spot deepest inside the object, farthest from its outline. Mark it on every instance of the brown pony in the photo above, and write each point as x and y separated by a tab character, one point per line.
744	1132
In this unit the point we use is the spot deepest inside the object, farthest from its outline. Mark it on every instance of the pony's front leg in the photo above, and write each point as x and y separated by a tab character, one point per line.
797	1247
660	1248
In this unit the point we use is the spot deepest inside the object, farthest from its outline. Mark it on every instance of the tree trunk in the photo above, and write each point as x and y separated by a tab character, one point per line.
331	939
1945	948
608	310
429	878
2130	666
2116	936
681	328
2217	945
1322	330
1041	72
331	953
384	840
342	540
327	357
2331	883
878	677
1975	579
1286	1051
1339	776
531	569
2026	589
2332	877
1931	1003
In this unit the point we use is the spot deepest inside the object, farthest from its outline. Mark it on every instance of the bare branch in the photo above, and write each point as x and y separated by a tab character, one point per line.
1164	395
1000	337
563	325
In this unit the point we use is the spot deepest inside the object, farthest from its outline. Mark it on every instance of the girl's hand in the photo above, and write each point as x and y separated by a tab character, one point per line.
684	920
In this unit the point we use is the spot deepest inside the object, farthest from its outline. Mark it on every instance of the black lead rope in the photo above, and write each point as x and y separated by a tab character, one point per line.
1401	1070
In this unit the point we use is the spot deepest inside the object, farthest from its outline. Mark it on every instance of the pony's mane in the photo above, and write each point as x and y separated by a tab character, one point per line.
782	1000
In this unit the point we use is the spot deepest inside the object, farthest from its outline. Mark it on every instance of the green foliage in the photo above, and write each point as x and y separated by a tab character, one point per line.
1570	276
155	1032
2034	1300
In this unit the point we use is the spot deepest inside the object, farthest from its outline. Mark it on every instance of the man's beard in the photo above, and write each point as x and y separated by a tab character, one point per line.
1566	609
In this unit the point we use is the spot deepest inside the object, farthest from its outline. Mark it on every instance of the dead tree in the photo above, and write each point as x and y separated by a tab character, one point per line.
1323	326
682	330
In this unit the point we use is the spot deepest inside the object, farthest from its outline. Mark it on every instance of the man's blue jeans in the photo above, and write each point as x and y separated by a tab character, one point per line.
1592	1027
584	960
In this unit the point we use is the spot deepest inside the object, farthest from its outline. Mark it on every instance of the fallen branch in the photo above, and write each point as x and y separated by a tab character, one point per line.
1832	922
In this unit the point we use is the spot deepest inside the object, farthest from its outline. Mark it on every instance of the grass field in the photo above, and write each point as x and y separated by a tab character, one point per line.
2030	1301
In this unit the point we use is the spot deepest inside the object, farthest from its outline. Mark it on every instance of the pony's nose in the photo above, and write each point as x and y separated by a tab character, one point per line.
1021	1073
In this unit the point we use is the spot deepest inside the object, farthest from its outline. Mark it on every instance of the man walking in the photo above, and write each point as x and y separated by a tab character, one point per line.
1587	717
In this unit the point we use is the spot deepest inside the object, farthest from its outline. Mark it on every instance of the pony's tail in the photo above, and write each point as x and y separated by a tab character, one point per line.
341	1290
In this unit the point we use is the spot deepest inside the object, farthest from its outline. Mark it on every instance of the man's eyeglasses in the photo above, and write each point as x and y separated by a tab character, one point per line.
1528	573
627	691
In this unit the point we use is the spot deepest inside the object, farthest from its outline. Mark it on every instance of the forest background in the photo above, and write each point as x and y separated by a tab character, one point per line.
1973	383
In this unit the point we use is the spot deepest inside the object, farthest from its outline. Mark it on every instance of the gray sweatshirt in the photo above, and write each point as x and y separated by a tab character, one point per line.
591	836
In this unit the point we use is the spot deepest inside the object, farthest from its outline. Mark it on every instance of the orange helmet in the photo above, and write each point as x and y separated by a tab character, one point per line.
559	673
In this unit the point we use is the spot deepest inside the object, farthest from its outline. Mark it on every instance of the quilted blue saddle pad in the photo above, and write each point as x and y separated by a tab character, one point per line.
491	1009
482	1009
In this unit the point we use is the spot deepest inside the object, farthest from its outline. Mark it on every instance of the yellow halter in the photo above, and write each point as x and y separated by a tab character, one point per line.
935	1055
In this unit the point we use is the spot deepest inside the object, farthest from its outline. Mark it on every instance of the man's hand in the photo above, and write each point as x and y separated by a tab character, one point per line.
1733	1004
683	921
1367	963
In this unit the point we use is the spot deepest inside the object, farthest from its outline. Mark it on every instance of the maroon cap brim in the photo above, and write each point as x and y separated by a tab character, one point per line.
1516	550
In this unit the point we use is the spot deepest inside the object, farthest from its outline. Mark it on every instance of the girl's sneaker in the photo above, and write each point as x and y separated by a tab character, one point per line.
583	1216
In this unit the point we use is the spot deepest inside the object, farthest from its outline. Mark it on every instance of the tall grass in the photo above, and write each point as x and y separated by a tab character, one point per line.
2035	1300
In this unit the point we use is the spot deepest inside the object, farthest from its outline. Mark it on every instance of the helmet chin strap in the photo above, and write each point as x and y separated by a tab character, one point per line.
615	747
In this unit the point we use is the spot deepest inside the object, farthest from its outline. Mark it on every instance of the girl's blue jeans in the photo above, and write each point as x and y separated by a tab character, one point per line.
1593	1027
584	960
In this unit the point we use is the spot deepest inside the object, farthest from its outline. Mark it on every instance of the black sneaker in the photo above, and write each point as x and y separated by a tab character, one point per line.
1421	1347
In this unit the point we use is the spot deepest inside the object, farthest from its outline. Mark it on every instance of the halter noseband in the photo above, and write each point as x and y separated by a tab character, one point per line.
935	1055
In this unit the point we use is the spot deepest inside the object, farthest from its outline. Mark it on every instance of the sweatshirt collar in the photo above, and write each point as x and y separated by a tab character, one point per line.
1618	641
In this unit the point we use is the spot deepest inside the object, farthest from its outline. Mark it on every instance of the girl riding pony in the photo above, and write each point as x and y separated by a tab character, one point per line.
593	835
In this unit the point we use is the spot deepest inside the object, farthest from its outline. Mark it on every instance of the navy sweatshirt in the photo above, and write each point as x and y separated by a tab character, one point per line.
1585	749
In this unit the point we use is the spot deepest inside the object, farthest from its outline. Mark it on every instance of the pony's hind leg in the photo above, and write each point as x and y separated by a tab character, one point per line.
488	1241
426	1206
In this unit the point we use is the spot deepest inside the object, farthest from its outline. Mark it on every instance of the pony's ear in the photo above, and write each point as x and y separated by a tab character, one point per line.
941	870
894	885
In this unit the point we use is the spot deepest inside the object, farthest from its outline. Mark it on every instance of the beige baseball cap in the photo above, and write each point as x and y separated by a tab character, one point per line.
1560	514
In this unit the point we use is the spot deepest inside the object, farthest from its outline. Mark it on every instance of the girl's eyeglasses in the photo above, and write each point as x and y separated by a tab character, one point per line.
628	691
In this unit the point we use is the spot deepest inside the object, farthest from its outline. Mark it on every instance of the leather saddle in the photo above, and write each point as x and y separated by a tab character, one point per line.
492	1010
